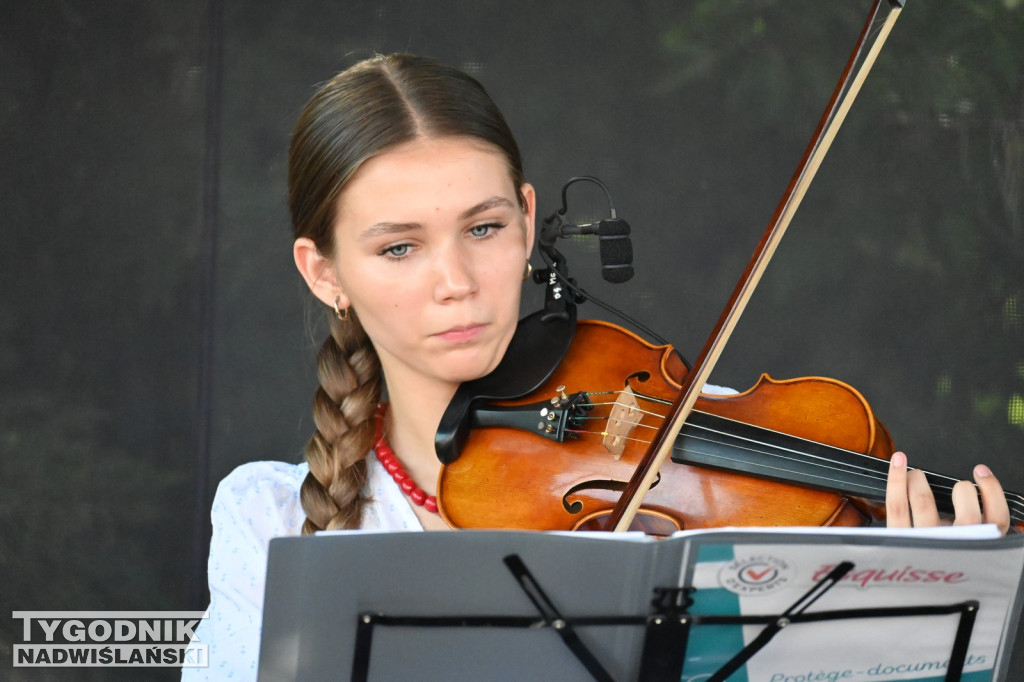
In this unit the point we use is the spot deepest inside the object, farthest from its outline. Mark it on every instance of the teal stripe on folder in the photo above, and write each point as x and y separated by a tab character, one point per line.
711	646
708	553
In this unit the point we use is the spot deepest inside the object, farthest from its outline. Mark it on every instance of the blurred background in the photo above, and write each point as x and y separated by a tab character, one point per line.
154	333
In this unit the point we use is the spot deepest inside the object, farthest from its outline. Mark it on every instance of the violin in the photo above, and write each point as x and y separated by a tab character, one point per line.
800	452
616	434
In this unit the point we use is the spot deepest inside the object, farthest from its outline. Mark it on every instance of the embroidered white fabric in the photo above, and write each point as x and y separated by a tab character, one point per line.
254	503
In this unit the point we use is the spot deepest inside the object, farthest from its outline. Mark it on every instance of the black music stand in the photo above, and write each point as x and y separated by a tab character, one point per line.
507	605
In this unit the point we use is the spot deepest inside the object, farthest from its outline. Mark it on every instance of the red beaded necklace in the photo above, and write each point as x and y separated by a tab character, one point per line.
387	457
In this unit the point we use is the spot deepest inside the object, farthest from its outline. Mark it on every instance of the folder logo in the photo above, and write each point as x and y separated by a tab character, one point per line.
753	575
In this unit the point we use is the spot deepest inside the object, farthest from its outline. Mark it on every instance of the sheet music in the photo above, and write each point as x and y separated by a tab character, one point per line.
750	574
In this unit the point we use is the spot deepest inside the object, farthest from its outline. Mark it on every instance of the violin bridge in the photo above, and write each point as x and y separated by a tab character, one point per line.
624	417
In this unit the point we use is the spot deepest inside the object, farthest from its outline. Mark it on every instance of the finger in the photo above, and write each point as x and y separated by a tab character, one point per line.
965	504
922	501
897	506
993	500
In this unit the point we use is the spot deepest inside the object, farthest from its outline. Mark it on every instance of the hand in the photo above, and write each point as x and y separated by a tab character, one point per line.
909	500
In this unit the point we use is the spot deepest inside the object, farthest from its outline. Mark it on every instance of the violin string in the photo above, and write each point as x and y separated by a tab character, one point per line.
873	472
799	456
1014	500
871	476
872	465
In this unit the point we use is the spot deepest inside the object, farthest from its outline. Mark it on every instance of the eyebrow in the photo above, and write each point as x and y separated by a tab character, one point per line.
379	229
385	228
486	205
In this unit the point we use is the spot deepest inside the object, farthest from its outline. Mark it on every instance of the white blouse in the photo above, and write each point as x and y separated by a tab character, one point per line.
254	503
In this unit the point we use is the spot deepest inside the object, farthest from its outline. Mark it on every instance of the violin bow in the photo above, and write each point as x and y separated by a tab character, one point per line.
846	90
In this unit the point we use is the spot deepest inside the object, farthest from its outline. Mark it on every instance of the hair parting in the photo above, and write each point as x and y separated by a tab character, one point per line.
362	112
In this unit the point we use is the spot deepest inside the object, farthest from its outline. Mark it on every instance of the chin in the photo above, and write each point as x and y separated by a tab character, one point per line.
468	374
469	369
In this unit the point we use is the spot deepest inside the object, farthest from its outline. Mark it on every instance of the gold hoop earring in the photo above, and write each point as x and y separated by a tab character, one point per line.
528	272
339	312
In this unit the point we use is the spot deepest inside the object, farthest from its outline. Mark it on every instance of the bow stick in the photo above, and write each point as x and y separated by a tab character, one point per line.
842	98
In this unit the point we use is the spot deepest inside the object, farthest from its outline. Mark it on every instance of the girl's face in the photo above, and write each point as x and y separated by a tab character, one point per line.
431	245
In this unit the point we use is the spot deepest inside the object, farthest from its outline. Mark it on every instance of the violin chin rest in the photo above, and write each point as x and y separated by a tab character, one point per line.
540	342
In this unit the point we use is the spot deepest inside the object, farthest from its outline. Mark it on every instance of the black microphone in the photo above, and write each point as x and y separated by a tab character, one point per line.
615	247
616	251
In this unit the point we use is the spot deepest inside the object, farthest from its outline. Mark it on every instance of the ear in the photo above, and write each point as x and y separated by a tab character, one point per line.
530	198
318	272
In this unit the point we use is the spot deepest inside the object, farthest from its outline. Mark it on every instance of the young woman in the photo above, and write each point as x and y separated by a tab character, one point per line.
413	225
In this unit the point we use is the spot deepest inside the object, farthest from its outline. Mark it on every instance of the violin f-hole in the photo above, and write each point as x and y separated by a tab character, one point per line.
649	521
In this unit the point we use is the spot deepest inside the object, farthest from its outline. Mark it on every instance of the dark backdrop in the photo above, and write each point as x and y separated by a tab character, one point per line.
153	333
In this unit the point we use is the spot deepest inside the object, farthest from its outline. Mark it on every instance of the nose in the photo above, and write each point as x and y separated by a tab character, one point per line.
456	274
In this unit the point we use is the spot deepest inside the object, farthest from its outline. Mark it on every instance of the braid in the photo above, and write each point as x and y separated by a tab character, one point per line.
366	110
343	411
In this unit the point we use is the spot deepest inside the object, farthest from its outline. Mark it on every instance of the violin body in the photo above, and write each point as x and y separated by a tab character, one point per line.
513	479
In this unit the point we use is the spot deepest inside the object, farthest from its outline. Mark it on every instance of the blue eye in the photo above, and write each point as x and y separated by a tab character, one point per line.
484	230
397	251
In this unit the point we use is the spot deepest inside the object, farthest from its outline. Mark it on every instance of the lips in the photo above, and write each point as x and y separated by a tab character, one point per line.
461	334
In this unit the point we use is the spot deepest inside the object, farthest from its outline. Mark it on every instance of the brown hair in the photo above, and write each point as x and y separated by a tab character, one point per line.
363	111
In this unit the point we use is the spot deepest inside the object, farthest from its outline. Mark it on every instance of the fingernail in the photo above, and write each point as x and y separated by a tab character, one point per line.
982	471
898	460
